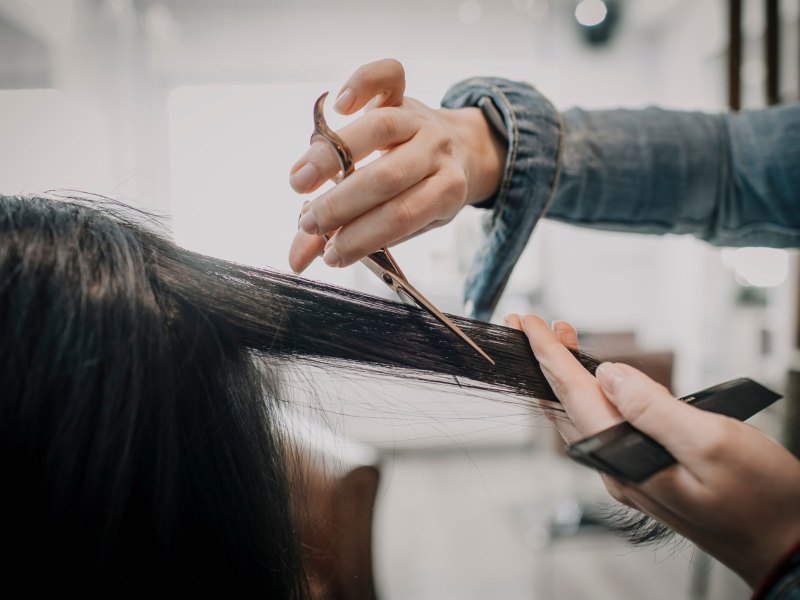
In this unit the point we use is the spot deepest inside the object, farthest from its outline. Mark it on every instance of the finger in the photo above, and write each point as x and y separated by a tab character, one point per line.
557	416
651	506
385	79
677	488
574	386
432	225
614	488
569	432
376	130
514	321
379	181
392	220
650	407
304	249
566	334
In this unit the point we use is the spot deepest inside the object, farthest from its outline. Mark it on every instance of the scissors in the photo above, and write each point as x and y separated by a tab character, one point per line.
381	262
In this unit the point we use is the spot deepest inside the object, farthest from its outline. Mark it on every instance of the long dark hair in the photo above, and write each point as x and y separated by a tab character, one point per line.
139	384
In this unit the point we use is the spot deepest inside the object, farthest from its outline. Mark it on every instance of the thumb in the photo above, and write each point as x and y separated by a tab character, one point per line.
651	408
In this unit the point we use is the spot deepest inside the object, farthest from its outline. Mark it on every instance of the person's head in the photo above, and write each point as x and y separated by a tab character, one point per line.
138	433
140	437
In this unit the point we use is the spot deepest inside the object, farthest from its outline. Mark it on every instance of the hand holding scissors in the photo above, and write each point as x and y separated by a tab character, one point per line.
380	262
434	162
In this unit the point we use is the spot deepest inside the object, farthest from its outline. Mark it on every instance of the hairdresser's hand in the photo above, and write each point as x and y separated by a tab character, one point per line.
735	492
433	163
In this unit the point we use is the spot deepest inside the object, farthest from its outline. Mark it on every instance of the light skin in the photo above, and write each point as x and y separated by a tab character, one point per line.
734	492
433	163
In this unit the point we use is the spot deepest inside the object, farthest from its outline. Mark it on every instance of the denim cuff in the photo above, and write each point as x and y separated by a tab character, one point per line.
526	190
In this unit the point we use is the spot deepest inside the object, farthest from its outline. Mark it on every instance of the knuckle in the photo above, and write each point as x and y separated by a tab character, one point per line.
365	73
388	179
395	67
718	440
389	124
391	178
403	216
443	144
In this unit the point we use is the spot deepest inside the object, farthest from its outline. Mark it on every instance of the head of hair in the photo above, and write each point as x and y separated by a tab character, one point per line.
140	389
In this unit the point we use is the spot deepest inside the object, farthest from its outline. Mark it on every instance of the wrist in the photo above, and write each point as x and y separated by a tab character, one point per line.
483	152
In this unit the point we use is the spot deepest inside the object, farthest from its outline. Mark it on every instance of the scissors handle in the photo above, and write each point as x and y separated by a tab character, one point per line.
324	132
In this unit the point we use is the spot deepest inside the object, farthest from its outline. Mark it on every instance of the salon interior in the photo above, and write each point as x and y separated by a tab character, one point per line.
196	110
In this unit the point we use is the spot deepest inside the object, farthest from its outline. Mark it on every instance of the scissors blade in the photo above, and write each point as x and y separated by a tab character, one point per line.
424	303
401	286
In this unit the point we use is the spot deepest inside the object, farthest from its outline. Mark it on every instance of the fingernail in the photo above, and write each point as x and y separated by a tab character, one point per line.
308	223
610	377
304	177
331	257
306	207
345	101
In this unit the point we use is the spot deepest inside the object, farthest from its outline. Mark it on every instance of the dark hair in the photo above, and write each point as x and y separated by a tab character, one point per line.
139	389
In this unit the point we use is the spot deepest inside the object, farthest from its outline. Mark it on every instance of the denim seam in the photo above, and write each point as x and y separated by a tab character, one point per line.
512	162
557	170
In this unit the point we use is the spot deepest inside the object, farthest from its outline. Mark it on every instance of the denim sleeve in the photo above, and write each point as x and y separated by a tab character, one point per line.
785	588
730	179
526	189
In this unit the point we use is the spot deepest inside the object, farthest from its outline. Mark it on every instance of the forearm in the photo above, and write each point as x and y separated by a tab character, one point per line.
728	179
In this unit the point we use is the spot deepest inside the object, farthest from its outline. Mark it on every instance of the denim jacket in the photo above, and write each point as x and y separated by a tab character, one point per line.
730	179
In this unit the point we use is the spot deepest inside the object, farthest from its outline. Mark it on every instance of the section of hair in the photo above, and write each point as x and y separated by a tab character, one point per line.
138	441
286	315
634	527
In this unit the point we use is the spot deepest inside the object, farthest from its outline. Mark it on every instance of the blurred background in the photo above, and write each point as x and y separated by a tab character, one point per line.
196	110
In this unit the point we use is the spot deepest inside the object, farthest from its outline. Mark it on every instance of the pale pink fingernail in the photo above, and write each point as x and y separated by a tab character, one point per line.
610	377
308	223
331	257
304	177
345	100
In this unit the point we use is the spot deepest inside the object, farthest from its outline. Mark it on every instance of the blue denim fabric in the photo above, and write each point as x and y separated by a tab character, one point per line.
531	174
730	179
784	582
786	588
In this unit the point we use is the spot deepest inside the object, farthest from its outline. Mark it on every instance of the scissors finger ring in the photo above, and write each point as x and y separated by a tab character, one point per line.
325	133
